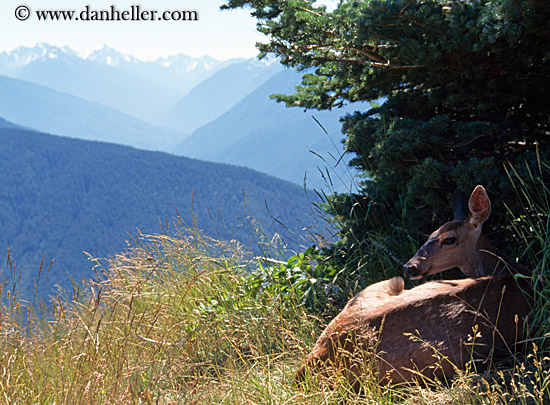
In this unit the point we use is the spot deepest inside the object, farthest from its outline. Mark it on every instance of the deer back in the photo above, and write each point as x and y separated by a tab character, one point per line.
436	328
430	330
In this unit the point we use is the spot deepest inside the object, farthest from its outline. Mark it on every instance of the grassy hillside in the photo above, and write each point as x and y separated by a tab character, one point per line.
60	197
182	320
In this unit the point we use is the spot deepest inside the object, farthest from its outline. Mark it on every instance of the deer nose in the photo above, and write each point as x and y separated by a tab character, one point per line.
410	270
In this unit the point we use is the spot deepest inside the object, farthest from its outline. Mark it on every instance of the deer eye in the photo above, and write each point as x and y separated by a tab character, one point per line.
449	241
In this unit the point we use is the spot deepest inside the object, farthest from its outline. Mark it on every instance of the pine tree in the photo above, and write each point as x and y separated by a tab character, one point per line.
464	89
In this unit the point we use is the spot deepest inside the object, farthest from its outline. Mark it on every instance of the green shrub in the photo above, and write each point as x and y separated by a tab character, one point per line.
187	319
462	86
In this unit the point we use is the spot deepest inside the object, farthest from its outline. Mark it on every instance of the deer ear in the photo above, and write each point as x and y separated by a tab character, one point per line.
459	204
479	206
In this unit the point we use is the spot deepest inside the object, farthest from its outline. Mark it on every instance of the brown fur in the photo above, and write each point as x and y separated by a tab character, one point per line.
442	314
429	330
470	251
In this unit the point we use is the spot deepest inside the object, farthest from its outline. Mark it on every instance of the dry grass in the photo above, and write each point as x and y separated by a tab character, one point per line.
174	320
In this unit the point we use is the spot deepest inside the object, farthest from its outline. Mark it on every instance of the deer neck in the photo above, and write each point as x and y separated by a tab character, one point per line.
494	262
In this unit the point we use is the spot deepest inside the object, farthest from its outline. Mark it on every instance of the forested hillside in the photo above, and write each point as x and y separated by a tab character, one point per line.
7	124
60	197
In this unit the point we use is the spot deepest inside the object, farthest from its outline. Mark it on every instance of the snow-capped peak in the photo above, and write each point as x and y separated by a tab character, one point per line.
23	56
108	56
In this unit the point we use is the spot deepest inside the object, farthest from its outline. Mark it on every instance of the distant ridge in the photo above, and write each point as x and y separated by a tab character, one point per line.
139	88
50	111
267	136
227	116
60	197
7	124
65	71
219	93
179	72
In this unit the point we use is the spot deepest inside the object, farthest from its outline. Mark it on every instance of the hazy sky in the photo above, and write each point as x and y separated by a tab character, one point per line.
222	35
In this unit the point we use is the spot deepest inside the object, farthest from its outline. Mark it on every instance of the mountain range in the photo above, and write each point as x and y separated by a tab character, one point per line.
106	76
51	111
178	72
218	94
61	197
86	186
284	142
198	107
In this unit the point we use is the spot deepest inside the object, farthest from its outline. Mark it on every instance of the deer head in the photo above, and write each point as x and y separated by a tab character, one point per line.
454	244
